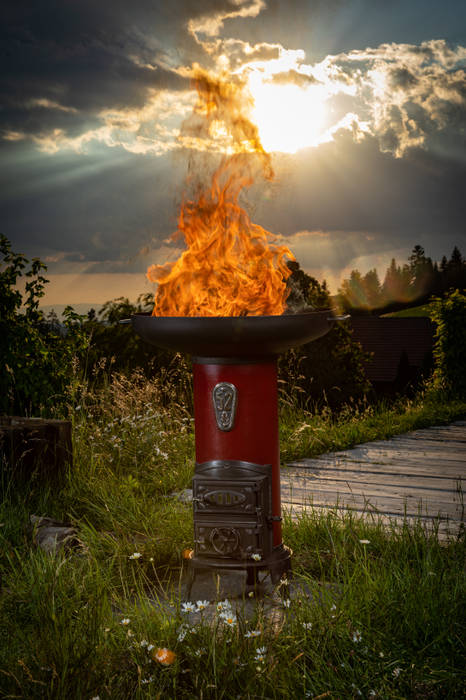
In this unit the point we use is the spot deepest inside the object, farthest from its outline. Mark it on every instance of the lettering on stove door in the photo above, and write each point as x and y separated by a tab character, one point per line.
225	397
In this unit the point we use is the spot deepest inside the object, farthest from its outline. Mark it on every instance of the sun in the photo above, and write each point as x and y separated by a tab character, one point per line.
289	117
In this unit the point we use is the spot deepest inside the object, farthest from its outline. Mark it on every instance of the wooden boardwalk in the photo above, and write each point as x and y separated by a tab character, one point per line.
415	475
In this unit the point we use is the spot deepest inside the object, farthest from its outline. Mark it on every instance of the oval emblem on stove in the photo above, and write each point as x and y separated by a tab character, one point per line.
223	497
224	396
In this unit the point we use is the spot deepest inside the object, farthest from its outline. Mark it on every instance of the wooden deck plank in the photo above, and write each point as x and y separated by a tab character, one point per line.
412	475
402	468
395	478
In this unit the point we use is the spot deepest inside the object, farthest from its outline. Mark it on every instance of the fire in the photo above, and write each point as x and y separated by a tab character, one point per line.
230	267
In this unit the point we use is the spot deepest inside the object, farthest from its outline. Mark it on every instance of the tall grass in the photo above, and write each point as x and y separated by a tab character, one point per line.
380	612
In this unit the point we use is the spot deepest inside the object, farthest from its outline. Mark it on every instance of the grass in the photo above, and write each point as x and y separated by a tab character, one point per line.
412	312
382	614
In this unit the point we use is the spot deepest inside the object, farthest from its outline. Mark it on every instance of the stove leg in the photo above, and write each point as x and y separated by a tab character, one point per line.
190	580
251	576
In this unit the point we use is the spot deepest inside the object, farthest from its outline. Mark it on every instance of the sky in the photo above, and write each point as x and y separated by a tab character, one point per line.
361	103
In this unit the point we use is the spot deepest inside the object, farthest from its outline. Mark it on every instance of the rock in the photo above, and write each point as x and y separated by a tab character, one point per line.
184	496
51	535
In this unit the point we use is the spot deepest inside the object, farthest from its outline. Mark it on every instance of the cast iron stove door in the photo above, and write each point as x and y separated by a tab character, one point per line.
232	509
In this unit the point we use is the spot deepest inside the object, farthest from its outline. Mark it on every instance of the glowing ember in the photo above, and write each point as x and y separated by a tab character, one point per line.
230	266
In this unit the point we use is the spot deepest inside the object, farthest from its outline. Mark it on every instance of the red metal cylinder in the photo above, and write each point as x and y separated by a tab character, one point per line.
254	436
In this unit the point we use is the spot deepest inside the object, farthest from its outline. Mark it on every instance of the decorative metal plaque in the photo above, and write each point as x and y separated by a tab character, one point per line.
225	397
225	540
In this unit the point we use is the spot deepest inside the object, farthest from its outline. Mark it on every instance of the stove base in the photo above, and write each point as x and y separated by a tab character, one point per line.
278	564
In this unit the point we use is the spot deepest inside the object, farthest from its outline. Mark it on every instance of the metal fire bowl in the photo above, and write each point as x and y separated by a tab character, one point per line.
233	336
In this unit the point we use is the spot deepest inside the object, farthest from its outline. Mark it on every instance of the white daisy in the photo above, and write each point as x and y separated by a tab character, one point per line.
260	654
188	607
229	618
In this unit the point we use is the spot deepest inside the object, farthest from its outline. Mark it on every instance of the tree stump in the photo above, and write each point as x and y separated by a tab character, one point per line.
34	449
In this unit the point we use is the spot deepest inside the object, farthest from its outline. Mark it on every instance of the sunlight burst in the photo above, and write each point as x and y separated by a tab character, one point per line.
289	117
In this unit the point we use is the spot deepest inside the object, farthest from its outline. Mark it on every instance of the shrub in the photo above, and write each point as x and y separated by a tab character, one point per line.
449	315
37	356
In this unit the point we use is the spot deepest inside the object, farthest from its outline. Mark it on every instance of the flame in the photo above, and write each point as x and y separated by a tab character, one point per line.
231	267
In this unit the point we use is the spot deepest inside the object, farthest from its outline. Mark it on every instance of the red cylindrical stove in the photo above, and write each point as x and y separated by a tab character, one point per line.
253	434
236	484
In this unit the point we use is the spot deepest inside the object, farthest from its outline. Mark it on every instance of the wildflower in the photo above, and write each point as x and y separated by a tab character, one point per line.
381	654
143	643
224	606
307	625
183	631
252	633
136	555
396	671
365	541
151	558
286	603
357	636
188	607
228	618
260	654
150	647
164	656
333	607
144	681
125	621
199	651
251	594
202	605
372	693
256	557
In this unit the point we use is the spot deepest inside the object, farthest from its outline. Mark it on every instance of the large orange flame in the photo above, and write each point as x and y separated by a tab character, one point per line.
230	266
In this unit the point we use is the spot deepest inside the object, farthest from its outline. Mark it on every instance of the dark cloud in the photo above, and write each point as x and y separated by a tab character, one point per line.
354	188
92	208
64	62
88	56
401	77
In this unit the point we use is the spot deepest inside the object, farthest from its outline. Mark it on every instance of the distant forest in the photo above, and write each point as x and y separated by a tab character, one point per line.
414	282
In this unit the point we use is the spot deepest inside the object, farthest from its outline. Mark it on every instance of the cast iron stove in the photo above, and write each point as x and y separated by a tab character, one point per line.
236	485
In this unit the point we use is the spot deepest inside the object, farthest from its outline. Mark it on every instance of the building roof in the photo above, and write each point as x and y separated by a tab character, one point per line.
391	338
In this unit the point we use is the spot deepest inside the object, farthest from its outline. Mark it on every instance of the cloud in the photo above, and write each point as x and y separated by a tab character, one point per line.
77	76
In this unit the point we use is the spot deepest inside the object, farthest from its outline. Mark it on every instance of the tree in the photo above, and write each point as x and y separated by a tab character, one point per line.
330	368
421	272
394	284
372	289
351	294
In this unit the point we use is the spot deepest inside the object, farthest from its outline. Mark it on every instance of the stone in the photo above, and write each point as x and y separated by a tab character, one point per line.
51	535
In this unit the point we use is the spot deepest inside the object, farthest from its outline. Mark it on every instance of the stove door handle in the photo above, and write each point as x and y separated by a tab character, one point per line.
343	317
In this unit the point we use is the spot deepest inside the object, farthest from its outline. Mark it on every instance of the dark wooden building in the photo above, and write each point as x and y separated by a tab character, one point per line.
401	349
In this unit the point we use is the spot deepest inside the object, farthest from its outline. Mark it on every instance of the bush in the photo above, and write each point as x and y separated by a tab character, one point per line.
37	356
449	315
